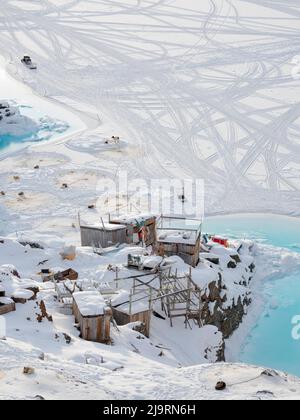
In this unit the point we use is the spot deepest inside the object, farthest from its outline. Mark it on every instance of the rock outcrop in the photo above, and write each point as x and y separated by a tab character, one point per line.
225	300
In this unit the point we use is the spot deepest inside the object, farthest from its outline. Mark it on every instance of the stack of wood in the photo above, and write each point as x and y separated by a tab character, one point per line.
69	274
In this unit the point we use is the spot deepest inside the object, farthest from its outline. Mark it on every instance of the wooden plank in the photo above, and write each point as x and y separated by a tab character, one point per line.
5	309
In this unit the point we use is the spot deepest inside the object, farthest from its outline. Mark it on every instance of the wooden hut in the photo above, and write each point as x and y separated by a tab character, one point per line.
140	228
134	306
179	236
103	236
93	316
123	318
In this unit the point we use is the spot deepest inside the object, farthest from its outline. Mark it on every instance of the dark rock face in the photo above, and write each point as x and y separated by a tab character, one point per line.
214	292
233	317
232	264
227	319
236	258
213	260
221	353
225	301
33	245
218	351
252	268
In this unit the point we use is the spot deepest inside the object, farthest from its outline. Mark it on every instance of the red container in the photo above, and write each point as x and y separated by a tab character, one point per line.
220	241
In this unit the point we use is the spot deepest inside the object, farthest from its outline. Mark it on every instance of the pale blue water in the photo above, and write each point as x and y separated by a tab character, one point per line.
6	141
270	343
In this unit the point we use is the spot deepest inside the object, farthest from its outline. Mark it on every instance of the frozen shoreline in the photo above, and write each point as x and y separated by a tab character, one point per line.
16	90
236	343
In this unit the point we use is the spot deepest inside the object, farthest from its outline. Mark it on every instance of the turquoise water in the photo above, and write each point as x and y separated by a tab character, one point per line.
279	231
6	141
270	343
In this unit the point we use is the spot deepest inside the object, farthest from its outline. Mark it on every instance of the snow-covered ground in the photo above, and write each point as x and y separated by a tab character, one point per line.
37	108
174	363
195	89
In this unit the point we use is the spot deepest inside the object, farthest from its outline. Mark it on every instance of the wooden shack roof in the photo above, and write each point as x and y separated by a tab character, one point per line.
90	304
132	219
178	230
178	237
107	227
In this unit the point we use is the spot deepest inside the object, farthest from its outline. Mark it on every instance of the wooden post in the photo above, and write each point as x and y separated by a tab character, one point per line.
161	290
200	322
130	302
117	278
150	299
134	285
188	302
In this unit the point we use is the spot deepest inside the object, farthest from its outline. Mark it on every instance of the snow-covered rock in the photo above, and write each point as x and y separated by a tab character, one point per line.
13	123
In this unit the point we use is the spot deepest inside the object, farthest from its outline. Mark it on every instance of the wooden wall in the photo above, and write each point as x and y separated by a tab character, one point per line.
123	318
189	253
150	224
5	309
100	238
94	328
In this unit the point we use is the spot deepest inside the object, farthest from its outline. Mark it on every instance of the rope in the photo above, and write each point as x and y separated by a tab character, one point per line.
247	381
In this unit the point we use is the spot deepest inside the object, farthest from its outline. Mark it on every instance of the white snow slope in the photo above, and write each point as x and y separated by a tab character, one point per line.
173	364
197	89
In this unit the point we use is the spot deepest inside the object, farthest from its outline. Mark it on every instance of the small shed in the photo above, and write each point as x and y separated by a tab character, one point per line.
93	316
140	228
179	236
129	308
103	236
124	318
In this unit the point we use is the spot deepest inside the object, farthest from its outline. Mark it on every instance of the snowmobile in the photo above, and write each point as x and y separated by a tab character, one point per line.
26	60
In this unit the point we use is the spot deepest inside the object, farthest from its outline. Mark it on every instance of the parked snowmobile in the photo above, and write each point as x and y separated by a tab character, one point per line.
26	60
